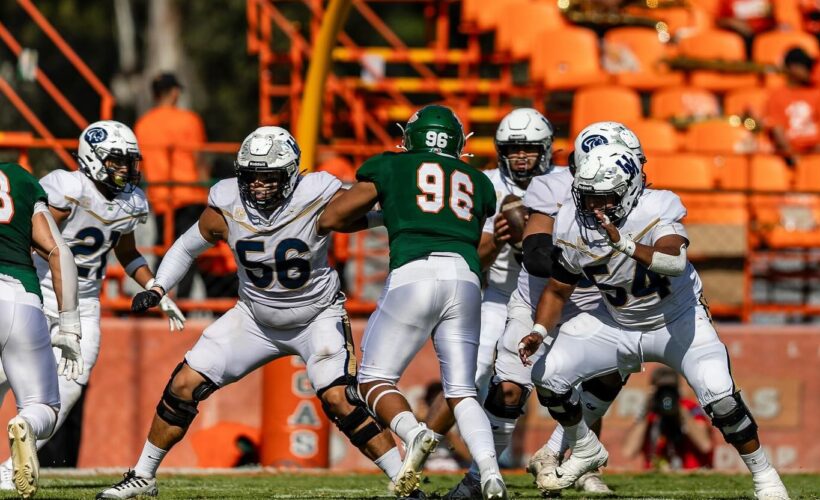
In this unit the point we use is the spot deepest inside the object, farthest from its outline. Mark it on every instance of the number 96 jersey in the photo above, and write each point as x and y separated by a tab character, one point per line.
635	296
92	228
283	271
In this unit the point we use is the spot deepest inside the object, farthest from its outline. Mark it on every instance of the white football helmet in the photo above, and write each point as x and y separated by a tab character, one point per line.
609	179
524	126
600	133
105	146
267	167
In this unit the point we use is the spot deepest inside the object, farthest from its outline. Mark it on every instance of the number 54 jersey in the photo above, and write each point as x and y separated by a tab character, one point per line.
92	228
635	296
283	271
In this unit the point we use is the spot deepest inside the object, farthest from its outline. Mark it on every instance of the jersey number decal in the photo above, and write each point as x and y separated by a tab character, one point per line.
644	283
435	139
291	272
89	248
430	181
6	201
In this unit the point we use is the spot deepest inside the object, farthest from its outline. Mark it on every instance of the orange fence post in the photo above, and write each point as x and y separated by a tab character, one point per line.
295	430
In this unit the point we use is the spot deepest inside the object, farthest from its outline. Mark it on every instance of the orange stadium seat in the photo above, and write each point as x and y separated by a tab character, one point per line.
637	54
726	146
568	58
769	173
716	45
807	176
483	15
518	27
657	136
771	47
750	101
679	171
684	103
594	104
791	221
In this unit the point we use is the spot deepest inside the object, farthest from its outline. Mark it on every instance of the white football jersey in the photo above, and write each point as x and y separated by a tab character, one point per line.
504	270
635	296
547	194
93	227
282	261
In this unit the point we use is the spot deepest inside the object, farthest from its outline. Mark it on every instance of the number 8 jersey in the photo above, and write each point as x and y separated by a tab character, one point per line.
635	296
431	203
282	260
93	227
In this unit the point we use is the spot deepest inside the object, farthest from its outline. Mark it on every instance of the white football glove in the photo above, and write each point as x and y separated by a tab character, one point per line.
176	320
67	339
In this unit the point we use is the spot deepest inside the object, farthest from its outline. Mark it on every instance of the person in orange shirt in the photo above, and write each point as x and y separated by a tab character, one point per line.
170	137
793	112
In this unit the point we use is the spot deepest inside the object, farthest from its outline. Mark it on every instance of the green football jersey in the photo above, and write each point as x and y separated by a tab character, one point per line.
19	191
431	203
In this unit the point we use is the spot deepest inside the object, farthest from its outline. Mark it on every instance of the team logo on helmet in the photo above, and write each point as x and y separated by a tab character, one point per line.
628	165
260	146
593	141
96	135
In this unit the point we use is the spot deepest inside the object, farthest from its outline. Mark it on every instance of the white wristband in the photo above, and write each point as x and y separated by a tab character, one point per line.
540	330
625	245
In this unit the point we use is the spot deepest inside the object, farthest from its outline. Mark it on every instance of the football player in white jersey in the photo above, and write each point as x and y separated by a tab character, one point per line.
97	210
289	302
630	242
511	385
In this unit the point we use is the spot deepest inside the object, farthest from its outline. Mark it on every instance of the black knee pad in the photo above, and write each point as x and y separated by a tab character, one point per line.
349	423
732	418
181	412
602	390
562	407
501	410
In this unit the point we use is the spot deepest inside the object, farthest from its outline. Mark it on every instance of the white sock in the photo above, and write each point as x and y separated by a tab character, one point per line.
477	434
757	462
42	419
556	442
390	463
403	424
502	432
149	461
573	433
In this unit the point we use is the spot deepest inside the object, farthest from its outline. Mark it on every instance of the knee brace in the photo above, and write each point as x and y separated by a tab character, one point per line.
734	420
499	408
602	388
181	412
360	414
562	407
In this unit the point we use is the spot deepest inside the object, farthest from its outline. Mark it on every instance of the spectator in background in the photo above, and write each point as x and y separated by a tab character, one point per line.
169	136
747	18
793	112
672	433
339	252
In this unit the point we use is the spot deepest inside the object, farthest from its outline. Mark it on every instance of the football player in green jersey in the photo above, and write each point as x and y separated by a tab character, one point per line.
434	207
26	223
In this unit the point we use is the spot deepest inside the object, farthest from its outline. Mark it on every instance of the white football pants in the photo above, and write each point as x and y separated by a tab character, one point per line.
493	320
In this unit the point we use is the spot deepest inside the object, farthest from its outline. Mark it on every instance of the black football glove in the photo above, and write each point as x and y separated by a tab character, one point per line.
145	300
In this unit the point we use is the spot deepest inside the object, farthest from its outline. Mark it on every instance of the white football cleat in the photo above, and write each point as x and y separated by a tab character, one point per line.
592	482
24	464
544	458
769	486
6	481
131	486
493	488
588	455
421	445
468	489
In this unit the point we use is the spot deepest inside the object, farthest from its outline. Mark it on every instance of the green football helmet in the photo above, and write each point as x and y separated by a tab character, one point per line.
435	129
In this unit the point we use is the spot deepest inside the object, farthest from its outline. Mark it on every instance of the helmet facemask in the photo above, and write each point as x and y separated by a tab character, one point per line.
122	169
610	203
536	154
263	187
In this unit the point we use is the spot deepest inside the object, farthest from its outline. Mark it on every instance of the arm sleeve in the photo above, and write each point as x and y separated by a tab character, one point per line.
180	257
538	252
561	271
68	268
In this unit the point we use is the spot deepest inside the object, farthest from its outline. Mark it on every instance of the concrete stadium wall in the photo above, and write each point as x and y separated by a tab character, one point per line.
778	369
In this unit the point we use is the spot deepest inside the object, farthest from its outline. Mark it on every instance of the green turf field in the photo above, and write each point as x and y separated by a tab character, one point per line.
374	486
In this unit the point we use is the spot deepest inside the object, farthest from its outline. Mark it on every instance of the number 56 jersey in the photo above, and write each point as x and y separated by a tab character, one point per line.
283	271
93	227
635	296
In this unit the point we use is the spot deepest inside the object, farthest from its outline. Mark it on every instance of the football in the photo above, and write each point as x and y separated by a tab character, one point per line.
513	209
